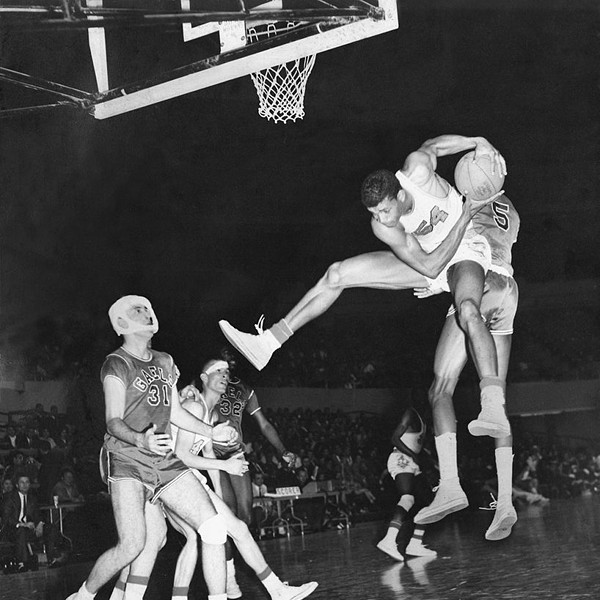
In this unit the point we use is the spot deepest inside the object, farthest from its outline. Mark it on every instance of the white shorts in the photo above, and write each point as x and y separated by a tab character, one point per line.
473	247
398	463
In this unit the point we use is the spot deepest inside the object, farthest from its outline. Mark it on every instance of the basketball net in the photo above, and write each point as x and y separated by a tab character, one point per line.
281	88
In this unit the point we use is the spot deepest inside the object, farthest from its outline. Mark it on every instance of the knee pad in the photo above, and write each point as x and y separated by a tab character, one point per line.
213	530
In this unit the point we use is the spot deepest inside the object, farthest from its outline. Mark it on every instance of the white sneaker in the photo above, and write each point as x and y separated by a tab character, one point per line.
72	596
233	589
390	549
449	498
258	349
492	419
291	592
416	548
501	526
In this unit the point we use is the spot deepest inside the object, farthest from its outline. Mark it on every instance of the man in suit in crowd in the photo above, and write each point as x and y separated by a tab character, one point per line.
22	521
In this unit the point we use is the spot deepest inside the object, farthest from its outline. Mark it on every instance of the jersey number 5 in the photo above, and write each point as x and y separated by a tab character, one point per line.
501	215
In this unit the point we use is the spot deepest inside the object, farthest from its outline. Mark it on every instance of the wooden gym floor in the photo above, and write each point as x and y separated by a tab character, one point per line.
553	553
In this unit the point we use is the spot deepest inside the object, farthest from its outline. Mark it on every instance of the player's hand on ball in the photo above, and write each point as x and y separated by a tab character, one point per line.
223	433
236	465
157	443
189	392
484	148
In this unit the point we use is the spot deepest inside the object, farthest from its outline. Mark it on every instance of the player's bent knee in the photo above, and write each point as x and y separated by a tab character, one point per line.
407	501
213	530
468	311
237	529
131	548
333	277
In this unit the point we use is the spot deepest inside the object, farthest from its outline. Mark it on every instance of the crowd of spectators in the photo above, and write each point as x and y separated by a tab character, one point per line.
350	353
36	460
335	451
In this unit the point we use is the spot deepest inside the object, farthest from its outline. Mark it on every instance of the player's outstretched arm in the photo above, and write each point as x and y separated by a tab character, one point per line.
445	145
267	429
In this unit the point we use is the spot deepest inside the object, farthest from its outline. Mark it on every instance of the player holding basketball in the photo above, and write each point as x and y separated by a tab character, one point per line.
403	467
214	377
427	226
205	405
499	223
141	400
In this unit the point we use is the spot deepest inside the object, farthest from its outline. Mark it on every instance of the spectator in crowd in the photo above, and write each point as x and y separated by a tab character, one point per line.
46	437
22	522
65	489
15	466
9	441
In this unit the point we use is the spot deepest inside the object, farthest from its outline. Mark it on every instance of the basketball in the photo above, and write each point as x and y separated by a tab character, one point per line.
476	178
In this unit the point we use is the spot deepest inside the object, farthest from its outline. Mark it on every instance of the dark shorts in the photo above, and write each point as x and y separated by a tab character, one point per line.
156	473
499	303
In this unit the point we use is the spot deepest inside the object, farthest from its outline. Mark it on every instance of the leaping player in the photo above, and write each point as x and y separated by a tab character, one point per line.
499	223
427	226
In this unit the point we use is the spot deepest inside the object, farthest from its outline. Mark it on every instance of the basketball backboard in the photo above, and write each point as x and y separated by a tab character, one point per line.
197	43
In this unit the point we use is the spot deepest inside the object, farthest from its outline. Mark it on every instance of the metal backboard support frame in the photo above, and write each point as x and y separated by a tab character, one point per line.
323	28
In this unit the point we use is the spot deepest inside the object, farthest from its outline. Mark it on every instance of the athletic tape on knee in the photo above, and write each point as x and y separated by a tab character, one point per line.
213	530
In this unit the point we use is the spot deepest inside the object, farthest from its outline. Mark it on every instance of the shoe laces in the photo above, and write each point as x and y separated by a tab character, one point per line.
492	505
259	326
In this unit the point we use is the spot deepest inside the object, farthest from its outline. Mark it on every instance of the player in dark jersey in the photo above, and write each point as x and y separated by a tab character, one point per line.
239	399
427	227
142	400
499	223
403	467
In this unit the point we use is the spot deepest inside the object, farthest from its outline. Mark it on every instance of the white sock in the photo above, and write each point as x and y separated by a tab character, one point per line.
217	597
504	467
230	568
272	583
180	593
136	587
391	535
118	591
445	445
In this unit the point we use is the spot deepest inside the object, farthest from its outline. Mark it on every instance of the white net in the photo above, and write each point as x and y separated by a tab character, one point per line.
281	88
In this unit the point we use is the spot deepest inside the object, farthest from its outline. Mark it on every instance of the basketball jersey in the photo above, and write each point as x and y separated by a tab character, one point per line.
499	223
148	388
414	439
432	218
231	406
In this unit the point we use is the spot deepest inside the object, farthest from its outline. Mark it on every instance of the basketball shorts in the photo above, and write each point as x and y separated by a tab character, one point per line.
156	473
499	303
398	463
473	247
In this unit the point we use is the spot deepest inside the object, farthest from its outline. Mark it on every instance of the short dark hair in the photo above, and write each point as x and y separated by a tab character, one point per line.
378	186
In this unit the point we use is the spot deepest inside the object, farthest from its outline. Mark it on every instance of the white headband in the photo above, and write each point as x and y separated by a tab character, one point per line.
122	324
216	366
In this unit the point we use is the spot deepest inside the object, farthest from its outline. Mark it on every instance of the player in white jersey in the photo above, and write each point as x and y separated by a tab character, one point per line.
403	467
499	222
204	405
423	220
